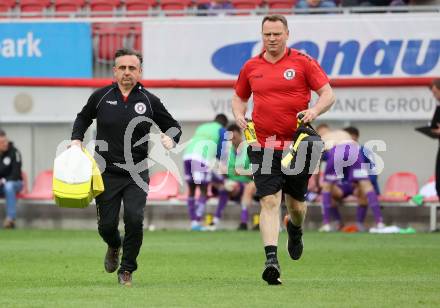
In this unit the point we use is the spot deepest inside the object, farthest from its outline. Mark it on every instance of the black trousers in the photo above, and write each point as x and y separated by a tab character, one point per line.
437	173
121	187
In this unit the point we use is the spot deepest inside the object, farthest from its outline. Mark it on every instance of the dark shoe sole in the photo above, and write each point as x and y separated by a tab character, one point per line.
271	275
111	268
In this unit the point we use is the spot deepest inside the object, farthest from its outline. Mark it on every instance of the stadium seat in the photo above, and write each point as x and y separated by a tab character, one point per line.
167	184
245	5
42	188
279	6
68	6
33	6
432	199
137	46
110	37
400	187
137	37
141	6
6	5
174	5
199	2
100	7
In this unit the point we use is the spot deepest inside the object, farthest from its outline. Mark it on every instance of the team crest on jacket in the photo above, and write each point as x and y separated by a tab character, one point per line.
289	74
140	108
7	161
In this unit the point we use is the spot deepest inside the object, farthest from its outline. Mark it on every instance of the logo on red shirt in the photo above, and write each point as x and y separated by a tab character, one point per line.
289	74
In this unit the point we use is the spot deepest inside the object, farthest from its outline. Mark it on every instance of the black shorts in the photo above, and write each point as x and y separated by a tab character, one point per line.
269	178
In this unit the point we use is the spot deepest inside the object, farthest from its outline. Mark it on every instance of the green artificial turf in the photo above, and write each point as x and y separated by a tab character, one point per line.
220	269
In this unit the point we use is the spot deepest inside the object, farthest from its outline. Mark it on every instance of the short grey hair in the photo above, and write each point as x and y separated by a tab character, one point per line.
128	52
275	17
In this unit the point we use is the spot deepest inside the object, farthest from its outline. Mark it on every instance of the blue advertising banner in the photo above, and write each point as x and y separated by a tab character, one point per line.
346	46
46	50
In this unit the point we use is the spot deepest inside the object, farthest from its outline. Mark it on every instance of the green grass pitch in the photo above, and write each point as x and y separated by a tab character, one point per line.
220	269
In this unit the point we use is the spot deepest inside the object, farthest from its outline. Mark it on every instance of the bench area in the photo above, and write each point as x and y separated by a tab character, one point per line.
172	214
166	206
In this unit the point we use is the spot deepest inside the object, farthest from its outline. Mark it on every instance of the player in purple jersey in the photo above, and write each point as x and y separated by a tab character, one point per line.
345	174
201	154
236	184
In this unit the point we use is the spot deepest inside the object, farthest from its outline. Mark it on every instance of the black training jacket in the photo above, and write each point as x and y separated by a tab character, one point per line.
113	116
10	164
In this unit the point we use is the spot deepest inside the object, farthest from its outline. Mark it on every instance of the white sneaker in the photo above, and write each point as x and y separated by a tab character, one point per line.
325	228
380	225
216	221
211	227
195	226
215	225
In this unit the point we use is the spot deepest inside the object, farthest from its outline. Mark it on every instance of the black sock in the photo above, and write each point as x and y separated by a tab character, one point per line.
293	229
271	252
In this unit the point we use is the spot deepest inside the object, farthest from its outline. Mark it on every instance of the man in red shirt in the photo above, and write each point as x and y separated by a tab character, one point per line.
280	80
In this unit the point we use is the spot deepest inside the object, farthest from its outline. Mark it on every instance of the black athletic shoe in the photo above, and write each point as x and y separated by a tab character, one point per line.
295	244
111	261
272	272
242	227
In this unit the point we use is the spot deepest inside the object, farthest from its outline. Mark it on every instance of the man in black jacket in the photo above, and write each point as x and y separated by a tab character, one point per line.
10	178
435	126
124	113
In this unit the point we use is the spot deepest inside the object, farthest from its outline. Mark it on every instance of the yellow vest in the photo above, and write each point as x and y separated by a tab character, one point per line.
81	194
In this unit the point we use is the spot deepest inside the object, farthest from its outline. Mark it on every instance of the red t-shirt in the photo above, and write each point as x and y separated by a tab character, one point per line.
280	90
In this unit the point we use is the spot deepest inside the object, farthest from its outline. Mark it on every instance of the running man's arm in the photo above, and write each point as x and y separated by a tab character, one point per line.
171	130
83	120
239	108
240	98
326	99
324	103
